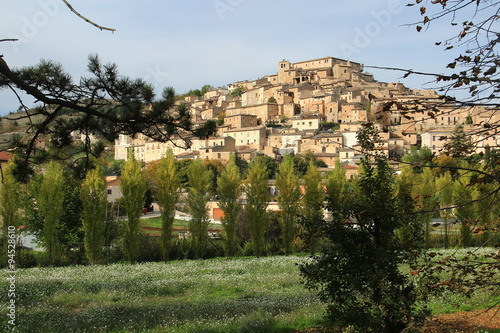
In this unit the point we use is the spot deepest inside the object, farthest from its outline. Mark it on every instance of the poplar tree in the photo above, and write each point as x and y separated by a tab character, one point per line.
229	190
50	202
444	195
424	193
167	185
288	185
464	210
339	192
200	185
257	200
10	204
487	206
94	201
133	187
411	230
312	210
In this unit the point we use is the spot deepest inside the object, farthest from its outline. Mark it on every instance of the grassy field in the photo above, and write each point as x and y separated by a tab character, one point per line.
152	226
243	295
218	295
155	222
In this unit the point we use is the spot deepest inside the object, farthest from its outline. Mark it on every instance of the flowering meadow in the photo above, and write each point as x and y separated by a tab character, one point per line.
217	295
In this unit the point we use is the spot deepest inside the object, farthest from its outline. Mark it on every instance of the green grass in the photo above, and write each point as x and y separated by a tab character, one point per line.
218	295
155	222
241	295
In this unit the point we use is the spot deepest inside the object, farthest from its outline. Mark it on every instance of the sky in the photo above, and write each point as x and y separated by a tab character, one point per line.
189	43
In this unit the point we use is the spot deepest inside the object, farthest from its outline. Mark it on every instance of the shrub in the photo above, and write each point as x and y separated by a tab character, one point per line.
150	249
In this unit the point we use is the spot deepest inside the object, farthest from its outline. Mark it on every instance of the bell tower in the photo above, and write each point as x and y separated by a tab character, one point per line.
283	66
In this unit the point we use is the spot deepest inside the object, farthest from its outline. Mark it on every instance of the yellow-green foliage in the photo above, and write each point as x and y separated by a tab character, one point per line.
167	186
133	186
200	183
288	184
93	196
50	201
229	189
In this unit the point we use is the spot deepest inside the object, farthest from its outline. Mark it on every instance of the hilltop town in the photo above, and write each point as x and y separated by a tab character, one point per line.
315	106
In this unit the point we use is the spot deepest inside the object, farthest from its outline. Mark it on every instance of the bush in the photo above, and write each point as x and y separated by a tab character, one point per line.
181	250
149	249
26	259
247	249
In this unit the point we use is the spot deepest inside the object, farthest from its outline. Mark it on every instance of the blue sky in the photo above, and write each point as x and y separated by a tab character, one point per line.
188	43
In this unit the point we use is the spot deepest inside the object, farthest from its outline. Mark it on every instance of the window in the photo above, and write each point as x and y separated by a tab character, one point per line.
110	191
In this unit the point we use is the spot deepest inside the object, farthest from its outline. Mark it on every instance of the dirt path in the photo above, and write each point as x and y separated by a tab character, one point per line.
466	322
458	322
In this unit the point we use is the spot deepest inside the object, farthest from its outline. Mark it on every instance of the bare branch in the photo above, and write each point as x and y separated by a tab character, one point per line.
100	27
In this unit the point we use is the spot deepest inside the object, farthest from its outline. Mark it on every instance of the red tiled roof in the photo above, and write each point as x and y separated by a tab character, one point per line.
4	156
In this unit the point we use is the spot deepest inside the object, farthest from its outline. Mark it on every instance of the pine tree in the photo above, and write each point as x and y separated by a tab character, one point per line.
460	143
